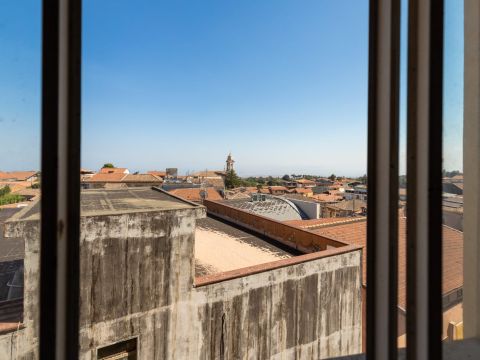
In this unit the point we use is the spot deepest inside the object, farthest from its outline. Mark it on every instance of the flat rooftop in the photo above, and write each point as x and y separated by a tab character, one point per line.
220	246
96	202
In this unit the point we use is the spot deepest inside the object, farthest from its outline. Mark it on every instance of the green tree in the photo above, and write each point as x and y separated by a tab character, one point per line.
232	180
451	174
286	177
332	177
108	165
363	179
5	190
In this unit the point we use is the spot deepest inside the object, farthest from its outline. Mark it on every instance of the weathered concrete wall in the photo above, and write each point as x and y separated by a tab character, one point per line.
136	269
311	310
137	280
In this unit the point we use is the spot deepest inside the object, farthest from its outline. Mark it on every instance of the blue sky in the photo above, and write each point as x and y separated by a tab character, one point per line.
282	84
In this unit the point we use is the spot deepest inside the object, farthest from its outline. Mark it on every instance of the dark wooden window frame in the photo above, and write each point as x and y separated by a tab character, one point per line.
60	214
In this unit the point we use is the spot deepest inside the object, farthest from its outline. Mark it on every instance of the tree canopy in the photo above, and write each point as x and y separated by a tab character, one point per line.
232	180
108	165
5	190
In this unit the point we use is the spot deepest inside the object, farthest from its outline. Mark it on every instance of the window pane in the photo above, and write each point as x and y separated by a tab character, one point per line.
223	174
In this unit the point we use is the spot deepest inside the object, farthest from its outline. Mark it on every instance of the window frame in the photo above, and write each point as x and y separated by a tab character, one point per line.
60	215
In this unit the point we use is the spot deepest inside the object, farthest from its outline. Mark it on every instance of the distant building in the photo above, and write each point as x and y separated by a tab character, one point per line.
85	174
209	178
120	180
455	188
305	183
303	191
16	176
160	174
346	208
171	172
277	190
359	192
242	192
23	183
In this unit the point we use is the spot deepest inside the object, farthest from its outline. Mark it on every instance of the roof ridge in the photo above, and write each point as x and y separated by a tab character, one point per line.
336	223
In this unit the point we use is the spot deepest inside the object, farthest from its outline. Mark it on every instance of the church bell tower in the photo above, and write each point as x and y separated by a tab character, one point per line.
230	162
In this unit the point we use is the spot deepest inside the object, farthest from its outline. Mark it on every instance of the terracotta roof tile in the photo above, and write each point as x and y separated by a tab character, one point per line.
193	194
327	197
139	178
114	177
113	171
355	233
17	175
278	188
315	223
208	173
157	173
303	191
305	182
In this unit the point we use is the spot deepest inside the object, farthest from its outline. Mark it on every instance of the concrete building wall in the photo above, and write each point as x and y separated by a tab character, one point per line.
137	269
310	310
137	281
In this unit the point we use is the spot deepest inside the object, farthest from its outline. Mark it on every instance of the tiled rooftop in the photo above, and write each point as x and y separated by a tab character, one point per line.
106	177
139	178
315	223
17	175
208	173
157	173
113	170
193	194
354	232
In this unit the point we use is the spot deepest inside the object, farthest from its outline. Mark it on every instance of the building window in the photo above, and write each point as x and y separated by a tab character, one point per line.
125	350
